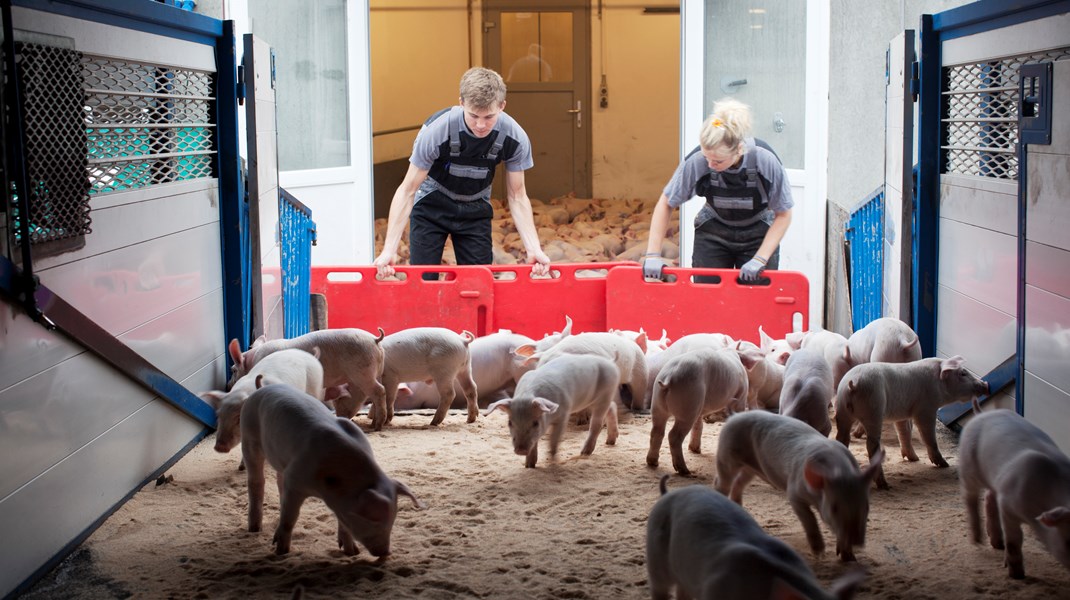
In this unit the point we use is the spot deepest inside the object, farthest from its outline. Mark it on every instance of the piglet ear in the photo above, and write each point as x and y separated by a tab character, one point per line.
1055	517
373	506
765	342
403	490
213	398
814	477
546	406
258	341
567	331
502	404
259	381
641	340
950	365
525	350
235	351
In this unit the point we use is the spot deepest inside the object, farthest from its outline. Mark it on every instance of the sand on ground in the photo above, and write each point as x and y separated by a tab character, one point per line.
574	528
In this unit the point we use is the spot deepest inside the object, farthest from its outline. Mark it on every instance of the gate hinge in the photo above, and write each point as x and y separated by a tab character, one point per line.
915	80
241	85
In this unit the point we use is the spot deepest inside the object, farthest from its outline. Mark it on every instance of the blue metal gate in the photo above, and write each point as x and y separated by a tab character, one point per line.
298	235
865	239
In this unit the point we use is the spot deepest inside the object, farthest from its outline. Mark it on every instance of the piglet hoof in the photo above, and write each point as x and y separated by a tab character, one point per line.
941	463
348	547
882	484
846	555
471	417
1017	572
652	461
282	546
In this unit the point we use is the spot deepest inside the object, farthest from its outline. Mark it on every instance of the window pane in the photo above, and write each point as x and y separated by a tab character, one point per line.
765	48
537	47
309	39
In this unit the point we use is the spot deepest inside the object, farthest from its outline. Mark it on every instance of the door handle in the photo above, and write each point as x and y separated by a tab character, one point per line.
578	111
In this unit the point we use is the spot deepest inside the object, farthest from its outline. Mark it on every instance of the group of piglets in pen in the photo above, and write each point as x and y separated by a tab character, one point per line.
292	402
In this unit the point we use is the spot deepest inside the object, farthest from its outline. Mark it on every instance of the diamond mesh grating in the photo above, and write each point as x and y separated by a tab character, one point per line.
146	124
980	111
95	125
55	137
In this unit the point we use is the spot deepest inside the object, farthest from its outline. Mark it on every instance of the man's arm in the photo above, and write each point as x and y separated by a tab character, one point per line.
520	209
400	207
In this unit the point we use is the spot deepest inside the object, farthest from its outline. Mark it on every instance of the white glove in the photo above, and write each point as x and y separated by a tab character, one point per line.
652	267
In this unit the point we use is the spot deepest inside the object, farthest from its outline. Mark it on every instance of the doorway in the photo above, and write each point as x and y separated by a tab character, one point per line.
542	50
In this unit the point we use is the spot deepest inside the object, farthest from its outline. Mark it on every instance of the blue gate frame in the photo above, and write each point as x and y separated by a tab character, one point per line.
985	15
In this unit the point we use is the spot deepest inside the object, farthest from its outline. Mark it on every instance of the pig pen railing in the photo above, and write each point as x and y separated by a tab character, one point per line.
297	231
595	296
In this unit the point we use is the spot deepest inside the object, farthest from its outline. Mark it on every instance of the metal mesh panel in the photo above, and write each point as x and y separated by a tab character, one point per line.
146	124
52	100
980	111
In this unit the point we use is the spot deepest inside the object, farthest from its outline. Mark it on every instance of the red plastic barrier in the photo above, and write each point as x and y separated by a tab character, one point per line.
683	307
355	298
537	307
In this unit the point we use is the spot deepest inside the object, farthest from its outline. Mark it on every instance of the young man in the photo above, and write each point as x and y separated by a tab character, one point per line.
446	191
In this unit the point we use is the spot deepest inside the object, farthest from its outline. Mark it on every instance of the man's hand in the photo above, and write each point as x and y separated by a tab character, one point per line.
540	263
752	269
653	267
384	264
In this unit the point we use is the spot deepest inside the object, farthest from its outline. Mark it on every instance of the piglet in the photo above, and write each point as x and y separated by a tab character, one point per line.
296	368
902	392
1027	479
814	470
628	356
315	453
434	353
545	398
351	357
706	546
808	390
689	386
495	370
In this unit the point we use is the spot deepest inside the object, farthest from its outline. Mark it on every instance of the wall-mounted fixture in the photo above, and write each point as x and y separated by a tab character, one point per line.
778	122
730	84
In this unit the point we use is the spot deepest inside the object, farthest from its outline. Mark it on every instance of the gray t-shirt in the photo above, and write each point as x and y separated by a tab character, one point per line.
681	187
431	150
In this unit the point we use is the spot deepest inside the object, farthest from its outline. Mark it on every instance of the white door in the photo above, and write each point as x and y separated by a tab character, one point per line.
787	89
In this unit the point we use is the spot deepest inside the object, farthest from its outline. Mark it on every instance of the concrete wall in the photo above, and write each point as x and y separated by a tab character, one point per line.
860	32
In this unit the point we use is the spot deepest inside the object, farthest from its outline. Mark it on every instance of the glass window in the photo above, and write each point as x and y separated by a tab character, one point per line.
756	53
536	46
309	39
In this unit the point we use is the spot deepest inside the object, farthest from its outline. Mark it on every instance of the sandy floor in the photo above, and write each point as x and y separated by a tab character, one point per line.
493	529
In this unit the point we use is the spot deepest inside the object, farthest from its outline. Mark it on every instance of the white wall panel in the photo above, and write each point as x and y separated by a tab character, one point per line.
984	336
44	515
1048	212
1047	338
126	287
981	201
1022	38
123	225
1049	409
107	40
1046	268
979	263
182	341
53	413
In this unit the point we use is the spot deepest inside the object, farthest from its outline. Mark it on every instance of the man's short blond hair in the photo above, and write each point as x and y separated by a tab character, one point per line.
482	88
